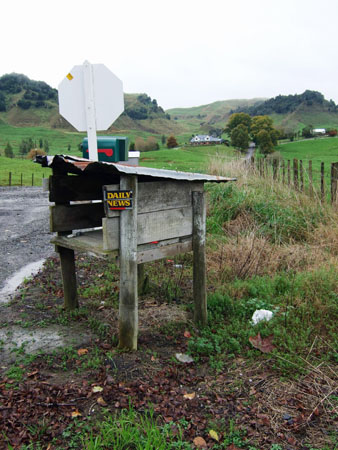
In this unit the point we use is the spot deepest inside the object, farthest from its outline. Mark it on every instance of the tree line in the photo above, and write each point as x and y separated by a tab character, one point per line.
27	146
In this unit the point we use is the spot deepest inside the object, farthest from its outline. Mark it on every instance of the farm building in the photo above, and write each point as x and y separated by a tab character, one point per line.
204	139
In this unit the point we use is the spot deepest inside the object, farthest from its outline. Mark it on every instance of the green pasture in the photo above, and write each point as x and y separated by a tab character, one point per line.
186	159
316	150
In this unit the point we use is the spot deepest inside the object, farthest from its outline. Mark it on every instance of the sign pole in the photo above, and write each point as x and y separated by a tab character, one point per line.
90	110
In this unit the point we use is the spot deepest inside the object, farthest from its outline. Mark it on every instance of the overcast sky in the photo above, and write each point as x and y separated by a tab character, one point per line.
181	52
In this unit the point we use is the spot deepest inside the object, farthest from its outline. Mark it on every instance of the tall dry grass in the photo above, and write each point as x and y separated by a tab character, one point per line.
246	250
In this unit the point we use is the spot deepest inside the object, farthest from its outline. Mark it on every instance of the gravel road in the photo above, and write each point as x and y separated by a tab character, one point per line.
24	228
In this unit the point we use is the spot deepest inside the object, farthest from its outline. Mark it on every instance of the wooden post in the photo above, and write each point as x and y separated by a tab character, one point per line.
21	179
199	260
289	173
128	308
322	182
10	179
310	179
32	179
283	172
142	280
295	174
334	182
274	165
301	174
68	273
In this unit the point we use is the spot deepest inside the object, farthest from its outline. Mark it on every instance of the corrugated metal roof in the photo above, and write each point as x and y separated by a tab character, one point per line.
73	164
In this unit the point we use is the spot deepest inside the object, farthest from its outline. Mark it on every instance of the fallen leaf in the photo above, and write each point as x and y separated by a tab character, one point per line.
31	374
82	351
200	442
101	402
187	334
97	389
76	413
153	358
263	344
189	396
213	434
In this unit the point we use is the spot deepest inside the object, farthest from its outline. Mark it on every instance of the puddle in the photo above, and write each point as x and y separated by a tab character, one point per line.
32	341
15	281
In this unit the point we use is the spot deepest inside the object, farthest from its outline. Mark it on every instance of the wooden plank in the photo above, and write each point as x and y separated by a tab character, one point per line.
65	188
163	251
68	278
162	195
128	306
199	260
154	226
90	241
74	217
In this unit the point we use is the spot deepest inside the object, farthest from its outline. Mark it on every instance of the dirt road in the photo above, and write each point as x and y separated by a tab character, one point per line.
24	228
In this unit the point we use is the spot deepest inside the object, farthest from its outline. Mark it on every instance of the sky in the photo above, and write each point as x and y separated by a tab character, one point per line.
182	52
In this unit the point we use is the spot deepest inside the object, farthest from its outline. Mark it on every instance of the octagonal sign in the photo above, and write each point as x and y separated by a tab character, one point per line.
102	92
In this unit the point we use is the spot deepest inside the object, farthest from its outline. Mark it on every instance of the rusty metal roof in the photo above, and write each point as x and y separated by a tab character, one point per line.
73	164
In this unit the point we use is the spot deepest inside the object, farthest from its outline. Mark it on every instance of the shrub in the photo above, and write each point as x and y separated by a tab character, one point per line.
34	152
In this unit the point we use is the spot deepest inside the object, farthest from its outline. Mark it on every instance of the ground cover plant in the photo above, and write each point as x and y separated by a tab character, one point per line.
269	386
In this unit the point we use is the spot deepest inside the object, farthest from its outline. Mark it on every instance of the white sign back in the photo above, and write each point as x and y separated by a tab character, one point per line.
91	98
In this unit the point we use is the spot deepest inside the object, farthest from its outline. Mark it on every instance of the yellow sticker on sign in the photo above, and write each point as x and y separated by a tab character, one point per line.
70	77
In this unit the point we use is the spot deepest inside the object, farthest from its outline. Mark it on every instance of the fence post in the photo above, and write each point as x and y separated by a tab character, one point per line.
334	182
274	165
10	179
322	182
310	179
301	173
283	171
21	180
32	179
295	174
289	173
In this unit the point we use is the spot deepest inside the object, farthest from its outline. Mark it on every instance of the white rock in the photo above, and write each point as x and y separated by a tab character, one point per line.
182	357
261	314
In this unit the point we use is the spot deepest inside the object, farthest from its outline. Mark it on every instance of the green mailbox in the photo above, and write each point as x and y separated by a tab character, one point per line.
109	148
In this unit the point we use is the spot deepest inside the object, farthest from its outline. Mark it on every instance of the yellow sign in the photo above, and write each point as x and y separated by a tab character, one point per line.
118	200
70	77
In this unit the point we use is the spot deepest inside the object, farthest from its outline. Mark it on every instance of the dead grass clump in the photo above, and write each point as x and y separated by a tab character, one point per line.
325	237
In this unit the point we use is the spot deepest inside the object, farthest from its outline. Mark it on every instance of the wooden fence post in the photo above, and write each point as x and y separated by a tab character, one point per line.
301	173
68	272
32	179
10	179
322	182
128	308
283	172
289	173
334	182
295	174
199	262
310	179
21	180
275	164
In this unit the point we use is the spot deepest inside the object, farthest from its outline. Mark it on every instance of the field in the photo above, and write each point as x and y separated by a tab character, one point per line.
316	150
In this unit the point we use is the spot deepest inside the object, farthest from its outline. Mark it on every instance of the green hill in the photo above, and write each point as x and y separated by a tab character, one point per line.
25	102
209	118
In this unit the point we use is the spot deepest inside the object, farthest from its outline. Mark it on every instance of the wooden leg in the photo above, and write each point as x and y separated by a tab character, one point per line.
199	263
128	307
68	277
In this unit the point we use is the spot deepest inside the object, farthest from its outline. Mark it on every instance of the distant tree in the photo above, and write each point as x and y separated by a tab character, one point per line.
171	142
264	141
9	151
163	139
240	137
307	132
132	146
69	147
260	123
40	143
24	147
238	119
2	102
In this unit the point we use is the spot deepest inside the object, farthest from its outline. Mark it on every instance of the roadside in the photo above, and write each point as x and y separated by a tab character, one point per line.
24	229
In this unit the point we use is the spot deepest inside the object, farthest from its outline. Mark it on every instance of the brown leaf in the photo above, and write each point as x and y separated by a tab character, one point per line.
200	442
189	396
101	402
82	351
263	344
232	447
76	413
187	334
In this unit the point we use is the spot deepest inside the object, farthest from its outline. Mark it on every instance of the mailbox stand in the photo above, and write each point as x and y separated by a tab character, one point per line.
144	214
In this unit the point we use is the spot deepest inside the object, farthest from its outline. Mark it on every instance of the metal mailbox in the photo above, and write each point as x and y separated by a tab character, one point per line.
110	148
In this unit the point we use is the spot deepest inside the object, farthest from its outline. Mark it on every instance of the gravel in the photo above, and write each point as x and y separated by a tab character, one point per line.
24	228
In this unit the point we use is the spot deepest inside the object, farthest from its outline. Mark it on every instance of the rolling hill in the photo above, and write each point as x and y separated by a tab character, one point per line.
25	102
